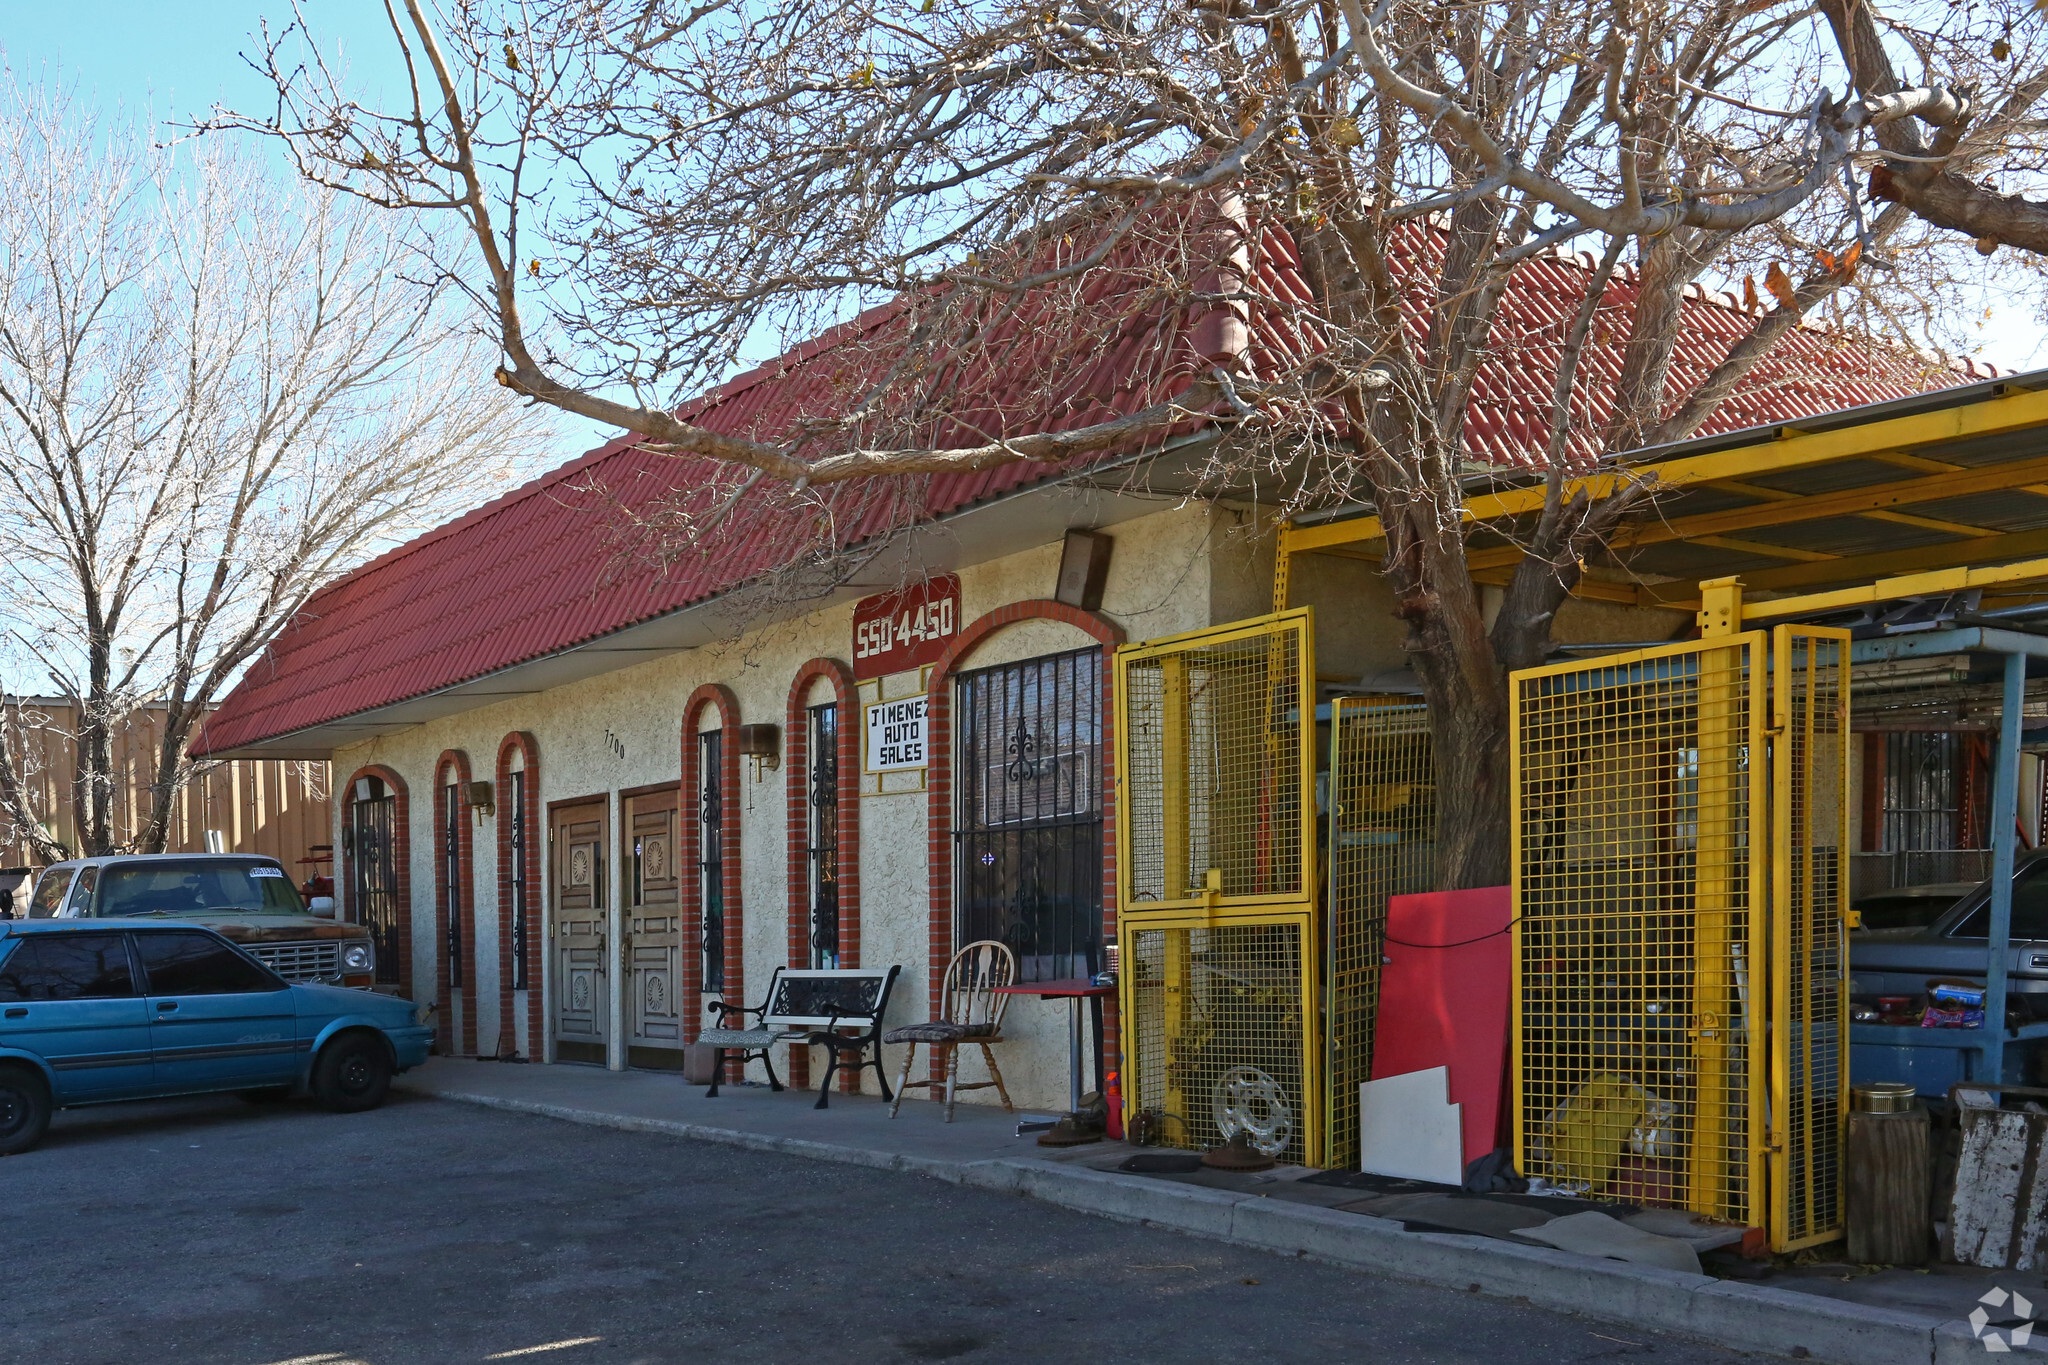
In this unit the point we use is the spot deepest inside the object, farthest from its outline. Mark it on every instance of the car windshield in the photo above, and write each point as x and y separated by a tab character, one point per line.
176	888
2029	908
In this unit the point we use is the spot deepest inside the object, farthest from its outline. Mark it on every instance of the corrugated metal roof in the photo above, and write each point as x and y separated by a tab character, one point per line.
562	560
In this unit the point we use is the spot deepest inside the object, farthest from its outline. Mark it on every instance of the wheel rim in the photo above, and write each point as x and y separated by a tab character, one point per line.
356	1073
14	1111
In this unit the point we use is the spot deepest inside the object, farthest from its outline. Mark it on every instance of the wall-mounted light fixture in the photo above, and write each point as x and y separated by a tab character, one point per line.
482	799
1084	568
763	744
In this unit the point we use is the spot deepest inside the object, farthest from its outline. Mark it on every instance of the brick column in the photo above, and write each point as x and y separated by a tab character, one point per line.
454	761
521	743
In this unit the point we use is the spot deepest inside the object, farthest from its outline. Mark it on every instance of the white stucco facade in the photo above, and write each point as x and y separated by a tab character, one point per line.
1183	567
623	730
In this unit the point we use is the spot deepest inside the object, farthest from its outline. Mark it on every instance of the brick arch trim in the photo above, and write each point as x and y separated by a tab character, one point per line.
401	860
523	744
939	781
796	761
463	937
692	783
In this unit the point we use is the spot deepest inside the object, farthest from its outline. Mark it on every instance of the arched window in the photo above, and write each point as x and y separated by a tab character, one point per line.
373	835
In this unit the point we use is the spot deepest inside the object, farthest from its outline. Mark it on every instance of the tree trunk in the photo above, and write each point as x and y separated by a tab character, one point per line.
1467	695
172	772
1473	806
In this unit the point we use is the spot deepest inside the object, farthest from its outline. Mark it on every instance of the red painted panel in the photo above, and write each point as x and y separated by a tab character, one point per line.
1444	1000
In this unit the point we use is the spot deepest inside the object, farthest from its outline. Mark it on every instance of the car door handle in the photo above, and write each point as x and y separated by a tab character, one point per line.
166	1006
2040	960
19	1012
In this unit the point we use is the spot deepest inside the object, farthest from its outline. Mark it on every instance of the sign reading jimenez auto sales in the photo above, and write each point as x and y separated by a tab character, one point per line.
898	631
895	738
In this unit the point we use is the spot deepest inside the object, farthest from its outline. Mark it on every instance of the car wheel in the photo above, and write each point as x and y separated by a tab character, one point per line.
24	1109
352	1073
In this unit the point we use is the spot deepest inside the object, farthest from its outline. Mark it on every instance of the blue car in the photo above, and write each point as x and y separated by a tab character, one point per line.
92	1012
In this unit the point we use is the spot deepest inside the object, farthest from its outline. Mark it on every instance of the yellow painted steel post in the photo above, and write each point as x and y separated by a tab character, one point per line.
1283	567
1714	893
1808	1093
1175	733
1776	1036
1518	1080
1316	1138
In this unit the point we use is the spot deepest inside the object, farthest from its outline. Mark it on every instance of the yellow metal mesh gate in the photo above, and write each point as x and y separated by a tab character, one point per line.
1217	885
1218	1034
1382	842
1634	863
1666	823
1809	844
1214	761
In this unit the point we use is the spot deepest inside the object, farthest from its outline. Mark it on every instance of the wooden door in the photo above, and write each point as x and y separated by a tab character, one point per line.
654	929
582	1004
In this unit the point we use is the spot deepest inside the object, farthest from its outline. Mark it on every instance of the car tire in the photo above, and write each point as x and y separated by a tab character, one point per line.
352	1073
24	1109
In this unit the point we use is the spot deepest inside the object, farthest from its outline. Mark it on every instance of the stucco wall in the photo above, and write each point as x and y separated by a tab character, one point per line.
1180	569
623	730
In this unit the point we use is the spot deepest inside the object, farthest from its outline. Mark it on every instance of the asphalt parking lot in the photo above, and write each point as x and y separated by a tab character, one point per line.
215	1231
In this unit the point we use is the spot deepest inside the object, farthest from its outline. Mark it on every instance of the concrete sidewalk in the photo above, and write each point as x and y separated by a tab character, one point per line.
1275	1213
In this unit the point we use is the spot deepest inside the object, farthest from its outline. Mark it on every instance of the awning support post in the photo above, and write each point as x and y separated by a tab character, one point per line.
2004	829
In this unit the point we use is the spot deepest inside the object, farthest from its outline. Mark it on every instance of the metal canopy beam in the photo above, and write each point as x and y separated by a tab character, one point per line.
1784	511
1790	449
1890	589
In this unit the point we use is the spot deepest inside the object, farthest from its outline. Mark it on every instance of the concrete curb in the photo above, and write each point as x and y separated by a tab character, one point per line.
1742	1317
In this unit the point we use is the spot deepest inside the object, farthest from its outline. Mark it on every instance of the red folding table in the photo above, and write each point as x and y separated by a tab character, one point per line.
1073	991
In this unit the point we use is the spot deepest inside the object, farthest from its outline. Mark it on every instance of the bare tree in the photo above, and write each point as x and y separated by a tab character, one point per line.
218	389
1023	183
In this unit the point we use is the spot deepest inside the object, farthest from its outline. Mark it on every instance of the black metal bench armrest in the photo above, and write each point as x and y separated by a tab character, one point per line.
721	1008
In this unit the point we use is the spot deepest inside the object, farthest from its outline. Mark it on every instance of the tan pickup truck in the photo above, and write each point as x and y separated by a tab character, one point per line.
243	897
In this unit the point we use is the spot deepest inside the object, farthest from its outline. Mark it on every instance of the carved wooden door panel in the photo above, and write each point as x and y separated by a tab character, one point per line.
582	1007
654	926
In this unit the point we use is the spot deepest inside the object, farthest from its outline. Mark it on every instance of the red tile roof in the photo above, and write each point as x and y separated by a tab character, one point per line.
552	564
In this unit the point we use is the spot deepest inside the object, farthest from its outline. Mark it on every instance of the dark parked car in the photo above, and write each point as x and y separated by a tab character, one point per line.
93	1011
1955	945
1909	907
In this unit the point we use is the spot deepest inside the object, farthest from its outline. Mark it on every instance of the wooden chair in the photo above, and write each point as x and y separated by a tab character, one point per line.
970	1011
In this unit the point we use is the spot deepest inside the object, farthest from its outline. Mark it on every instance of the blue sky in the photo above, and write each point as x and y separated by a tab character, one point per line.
175	58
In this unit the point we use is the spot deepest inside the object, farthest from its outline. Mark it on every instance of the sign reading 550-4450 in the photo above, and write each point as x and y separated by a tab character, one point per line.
903	630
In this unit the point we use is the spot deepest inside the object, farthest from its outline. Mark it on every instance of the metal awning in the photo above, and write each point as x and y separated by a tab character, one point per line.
1946	480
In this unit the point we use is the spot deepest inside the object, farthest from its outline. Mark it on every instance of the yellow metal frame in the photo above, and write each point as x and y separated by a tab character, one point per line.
1382	784
1789	448
1781	818
1130	1011
1809	725
1714	1184
1301	620
1209	907
1889	589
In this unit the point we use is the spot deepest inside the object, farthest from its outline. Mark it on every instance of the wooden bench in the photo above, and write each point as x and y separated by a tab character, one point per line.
808	1005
